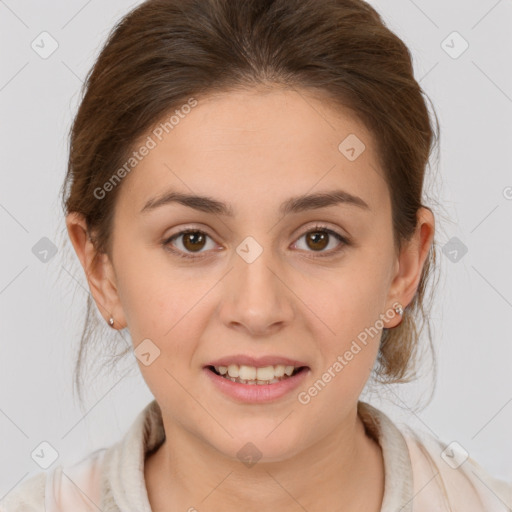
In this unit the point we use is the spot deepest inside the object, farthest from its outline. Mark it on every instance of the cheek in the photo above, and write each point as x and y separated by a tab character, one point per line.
354	296
154	297
161	306
348	313
349	347
164	304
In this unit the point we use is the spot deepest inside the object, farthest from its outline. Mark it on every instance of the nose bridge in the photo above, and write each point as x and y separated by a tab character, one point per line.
258	299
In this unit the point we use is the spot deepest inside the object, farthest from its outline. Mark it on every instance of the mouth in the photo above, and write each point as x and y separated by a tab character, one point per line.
260	384
252	375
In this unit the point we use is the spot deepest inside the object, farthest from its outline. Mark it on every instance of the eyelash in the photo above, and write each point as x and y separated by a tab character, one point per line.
318	228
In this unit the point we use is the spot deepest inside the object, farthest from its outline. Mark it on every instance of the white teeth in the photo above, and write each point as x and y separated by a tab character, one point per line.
232	370
253	375
247	372
279	370
265	373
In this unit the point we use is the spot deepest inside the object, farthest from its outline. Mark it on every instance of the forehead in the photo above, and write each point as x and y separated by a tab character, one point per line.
238	145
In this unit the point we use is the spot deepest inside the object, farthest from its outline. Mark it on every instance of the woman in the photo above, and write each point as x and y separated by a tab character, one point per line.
245	195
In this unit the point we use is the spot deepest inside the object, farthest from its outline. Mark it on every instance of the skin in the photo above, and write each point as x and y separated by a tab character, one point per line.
254	149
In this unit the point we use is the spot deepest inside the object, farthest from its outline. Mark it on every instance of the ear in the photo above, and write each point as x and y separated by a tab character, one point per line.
411	260
98	270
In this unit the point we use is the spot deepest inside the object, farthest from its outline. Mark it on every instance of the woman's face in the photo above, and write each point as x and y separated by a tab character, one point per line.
261	279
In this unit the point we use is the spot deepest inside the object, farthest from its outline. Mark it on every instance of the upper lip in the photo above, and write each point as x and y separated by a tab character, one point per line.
258	362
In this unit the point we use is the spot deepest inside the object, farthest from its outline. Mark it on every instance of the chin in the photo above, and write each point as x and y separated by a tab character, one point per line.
259	445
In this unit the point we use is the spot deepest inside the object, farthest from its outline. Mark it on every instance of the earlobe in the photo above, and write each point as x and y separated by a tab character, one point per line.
412	258
98	270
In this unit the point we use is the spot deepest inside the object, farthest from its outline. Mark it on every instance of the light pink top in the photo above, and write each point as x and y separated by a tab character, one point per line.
418	476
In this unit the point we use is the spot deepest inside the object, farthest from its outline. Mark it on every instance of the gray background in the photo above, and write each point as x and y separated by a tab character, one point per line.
42	304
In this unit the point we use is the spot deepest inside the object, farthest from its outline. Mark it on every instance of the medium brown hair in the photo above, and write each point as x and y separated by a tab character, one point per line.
164	52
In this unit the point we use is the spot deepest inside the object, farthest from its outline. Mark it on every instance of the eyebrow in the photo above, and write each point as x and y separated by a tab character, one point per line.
293	205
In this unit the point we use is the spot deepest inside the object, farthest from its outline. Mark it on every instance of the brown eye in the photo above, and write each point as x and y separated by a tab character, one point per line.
192	241
317	239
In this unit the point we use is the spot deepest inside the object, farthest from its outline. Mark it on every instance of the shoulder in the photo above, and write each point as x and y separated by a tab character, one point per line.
98	480
76	487
27	496
446	477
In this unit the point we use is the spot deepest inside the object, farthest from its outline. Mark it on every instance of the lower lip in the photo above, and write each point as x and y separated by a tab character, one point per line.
257	393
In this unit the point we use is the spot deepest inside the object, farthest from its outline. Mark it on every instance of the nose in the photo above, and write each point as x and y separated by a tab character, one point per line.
256	298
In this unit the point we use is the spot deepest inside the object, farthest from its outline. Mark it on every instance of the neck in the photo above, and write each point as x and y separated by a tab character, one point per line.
345	467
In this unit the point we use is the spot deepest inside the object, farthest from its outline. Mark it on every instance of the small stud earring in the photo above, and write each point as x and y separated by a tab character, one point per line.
399	310
111	322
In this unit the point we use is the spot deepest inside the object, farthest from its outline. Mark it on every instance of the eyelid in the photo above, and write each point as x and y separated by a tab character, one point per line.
344	240
317	226
166	243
